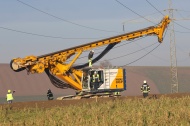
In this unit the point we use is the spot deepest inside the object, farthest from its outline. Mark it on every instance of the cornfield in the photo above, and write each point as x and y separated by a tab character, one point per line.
118	112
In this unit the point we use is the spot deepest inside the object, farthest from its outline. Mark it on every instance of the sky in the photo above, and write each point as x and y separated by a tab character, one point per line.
37	27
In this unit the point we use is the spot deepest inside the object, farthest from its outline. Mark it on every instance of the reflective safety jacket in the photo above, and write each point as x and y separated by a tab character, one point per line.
145	88
95	78
9	96
90	62
116	93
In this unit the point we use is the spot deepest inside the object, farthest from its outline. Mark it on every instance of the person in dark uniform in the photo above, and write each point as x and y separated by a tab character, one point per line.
49	95
145	89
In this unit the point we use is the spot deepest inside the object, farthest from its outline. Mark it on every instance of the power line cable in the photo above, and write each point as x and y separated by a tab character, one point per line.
153	54
180	31
184	10
181	25
62	19
141	57
140	17
155	7
131	52
163	15
134	12
41	35
180	15
187	11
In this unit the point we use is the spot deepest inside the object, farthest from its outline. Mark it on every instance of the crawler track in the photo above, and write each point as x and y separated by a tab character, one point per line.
87	96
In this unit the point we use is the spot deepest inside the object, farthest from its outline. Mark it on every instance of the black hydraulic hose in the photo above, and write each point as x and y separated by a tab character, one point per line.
60	84
56	82
104	52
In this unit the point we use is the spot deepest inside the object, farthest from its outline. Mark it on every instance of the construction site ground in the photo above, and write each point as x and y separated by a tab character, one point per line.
63	103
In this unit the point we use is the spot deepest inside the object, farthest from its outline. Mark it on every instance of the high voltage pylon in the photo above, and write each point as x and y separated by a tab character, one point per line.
173	60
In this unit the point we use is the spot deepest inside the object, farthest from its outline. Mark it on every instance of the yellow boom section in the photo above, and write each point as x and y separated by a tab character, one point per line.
55	61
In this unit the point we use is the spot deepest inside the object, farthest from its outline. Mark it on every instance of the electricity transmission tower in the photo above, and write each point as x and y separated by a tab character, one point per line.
173	60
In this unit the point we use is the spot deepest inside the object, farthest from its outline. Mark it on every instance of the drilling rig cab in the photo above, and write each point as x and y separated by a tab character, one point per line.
110	80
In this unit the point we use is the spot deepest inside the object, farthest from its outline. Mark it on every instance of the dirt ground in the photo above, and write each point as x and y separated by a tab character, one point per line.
61	103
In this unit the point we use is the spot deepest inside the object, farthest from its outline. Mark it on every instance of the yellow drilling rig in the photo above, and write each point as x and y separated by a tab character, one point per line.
66	75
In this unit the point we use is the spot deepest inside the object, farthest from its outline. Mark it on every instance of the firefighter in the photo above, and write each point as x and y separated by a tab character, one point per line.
9	96
145	89
90	55
117	93
96	80
49	95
